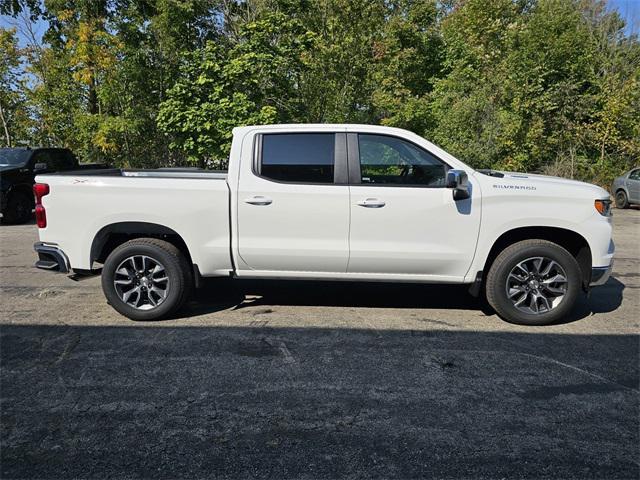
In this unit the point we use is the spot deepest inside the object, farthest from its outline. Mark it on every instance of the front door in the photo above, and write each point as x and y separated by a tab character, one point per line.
403	219
292	214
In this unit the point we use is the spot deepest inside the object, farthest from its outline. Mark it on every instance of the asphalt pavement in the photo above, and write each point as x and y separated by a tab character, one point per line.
315	380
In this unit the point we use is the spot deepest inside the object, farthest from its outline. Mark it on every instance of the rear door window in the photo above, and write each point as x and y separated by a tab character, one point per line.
298	157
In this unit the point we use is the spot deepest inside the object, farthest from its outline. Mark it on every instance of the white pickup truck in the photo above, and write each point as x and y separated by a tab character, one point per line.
330	202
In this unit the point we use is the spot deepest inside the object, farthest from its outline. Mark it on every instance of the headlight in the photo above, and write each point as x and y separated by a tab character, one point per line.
603	207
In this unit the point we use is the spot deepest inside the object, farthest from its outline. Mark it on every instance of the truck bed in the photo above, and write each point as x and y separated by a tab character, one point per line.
83	205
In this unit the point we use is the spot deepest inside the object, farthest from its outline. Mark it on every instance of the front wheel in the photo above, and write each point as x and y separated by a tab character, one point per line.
533	282
146	279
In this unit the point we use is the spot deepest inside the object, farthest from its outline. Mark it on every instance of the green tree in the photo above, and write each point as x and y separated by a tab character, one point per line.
224	86
103	70
407	59
538	86
323	61
338	84
14	121
535	85
467	100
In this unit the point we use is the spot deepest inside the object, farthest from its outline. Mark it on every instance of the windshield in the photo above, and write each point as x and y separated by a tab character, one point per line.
13	157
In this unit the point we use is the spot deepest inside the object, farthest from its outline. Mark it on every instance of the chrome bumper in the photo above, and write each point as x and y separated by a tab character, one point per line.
51	258
600	275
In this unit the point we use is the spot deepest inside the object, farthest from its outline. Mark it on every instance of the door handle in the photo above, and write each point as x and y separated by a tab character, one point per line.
371	203
258	200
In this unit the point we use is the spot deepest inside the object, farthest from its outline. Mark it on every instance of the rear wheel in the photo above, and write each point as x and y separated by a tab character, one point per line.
533	282
146	279
19	207
621	199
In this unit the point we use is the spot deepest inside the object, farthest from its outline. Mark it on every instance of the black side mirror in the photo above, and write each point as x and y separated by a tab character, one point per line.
459	182
40	167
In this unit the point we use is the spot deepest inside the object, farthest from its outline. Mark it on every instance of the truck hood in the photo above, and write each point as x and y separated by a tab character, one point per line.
530	181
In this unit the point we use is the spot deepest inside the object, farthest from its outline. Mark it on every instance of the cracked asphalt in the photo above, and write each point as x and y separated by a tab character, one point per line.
315	380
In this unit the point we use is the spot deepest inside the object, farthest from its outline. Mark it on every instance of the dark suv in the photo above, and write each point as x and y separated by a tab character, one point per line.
18	168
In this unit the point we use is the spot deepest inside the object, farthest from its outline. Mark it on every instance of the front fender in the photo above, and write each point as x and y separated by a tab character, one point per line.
504	213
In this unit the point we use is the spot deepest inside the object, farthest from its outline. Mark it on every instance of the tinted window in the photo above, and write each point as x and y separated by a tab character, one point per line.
389	160
70	160
14	157
298	157
55	159
43	156
635	175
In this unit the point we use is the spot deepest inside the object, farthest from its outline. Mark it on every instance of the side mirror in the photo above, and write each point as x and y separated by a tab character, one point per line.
459	182
40	167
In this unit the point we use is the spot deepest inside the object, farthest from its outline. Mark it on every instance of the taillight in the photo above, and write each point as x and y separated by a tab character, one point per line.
40	190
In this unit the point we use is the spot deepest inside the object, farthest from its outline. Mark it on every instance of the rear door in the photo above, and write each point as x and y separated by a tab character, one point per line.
403	219
293	207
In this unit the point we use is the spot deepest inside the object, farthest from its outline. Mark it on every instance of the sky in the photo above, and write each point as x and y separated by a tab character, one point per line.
628	9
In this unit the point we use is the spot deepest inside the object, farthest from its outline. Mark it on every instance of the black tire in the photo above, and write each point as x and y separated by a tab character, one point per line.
506	261
19	208
621	199
177	270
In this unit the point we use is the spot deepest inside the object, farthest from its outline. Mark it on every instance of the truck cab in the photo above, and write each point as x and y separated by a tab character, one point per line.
366	204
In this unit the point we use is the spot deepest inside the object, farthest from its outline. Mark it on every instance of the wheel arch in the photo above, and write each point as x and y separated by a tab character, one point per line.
113	235
570	240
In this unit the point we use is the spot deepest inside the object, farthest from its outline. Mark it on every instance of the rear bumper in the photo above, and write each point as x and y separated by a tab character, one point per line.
600	275
51	258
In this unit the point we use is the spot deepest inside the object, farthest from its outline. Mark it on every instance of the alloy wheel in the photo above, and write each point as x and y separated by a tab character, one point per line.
141	282
536	285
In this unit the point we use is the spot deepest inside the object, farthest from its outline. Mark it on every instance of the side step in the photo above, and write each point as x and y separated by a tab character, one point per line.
47	264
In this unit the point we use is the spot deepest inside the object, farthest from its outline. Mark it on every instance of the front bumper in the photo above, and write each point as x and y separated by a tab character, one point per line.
51	258
600	275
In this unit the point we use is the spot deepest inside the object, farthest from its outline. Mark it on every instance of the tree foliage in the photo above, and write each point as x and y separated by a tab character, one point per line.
224	86
534	85
529	84
14	121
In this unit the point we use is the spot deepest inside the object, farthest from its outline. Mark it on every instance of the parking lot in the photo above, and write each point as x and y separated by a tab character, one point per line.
308	380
